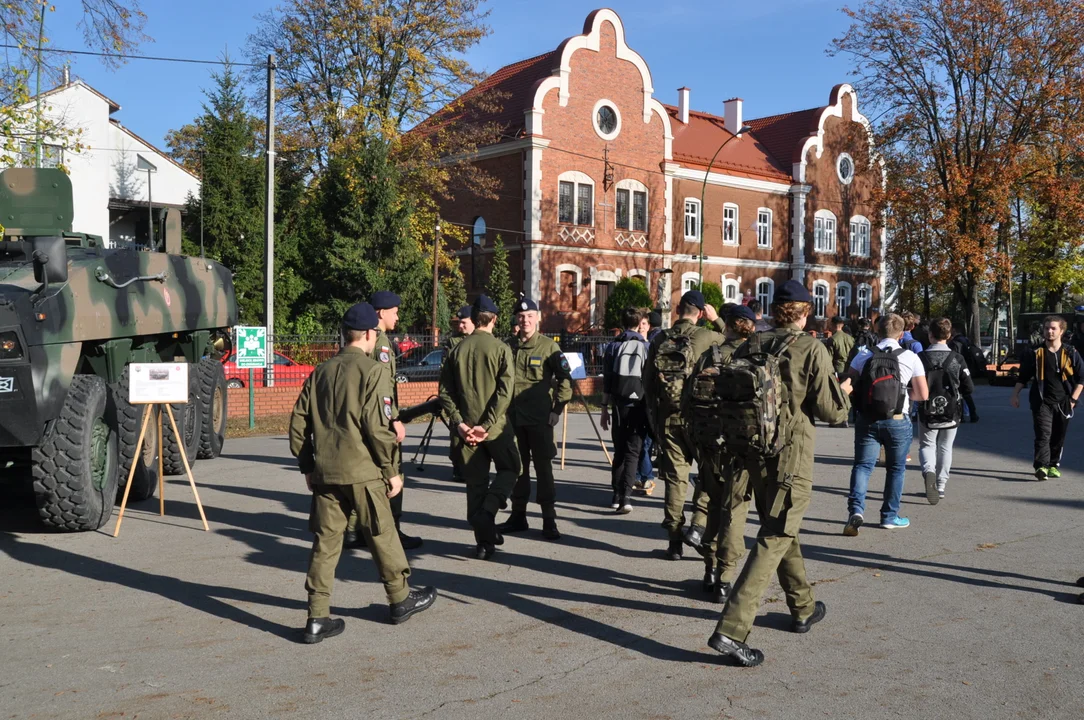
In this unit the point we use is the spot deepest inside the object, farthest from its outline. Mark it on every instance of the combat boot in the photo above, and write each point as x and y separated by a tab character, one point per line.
711	578
694	536
549	529
674	551
485	527
416	601
316	629
409	542
353	539
516	522
804	626
741	652
722	592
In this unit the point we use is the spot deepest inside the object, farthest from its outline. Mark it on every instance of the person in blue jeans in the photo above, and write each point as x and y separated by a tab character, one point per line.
894	433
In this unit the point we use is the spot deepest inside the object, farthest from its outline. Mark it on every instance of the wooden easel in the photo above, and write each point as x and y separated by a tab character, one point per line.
564	431
161	475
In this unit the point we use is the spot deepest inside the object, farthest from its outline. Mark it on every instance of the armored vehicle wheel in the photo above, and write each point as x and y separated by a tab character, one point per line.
188	422
127	419
75	467
212	387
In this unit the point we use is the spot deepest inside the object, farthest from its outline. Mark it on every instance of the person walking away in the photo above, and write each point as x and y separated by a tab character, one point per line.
948	380
476	386
782	493
840	346
907	340
623	390
976	363
882	375
543	386
645	473
762	325
1056	374
341	434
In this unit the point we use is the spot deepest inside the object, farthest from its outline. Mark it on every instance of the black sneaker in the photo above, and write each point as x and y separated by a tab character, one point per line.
694	536
1080	582
741	652
484	550
316	629
410	542
722	593
674	551
516	522
804	626
624	505
416	601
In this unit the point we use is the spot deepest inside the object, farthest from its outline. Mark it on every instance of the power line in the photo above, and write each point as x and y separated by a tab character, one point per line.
121	56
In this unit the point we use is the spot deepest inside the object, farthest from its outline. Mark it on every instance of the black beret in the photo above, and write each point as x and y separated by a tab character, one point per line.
741	311
792	291
360	317
694	298
526	304
654	318
484	304
464	313
384	299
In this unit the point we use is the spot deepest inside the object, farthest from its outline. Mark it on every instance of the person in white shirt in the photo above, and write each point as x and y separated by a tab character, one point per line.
882	399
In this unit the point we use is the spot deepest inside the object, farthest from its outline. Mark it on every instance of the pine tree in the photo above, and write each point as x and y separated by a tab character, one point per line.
499	289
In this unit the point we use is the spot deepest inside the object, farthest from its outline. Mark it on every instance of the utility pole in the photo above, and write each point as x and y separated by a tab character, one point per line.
37	92
269	225
436	279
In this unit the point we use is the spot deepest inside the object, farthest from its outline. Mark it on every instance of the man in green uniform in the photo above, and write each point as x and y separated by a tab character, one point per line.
662	391
782	494
341	435
840	345
476	385
543	388
462	326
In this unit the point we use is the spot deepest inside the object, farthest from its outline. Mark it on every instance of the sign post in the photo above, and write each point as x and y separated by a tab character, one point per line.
251	344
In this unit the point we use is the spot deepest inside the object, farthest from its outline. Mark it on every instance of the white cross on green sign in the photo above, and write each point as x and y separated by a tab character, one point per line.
251	347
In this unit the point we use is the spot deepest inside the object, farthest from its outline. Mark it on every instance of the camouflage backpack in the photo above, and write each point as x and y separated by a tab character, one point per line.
674	362
736	404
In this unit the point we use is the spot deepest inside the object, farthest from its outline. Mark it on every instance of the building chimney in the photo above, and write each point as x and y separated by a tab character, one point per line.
732	114
683	105
67	75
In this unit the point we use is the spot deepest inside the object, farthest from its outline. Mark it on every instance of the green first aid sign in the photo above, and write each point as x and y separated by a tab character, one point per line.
251	347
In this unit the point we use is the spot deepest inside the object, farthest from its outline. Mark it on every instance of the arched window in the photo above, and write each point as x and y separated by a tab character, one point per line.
820	298
824	231
631	210
689	281
765	293
731	291
575	198
865	300
843	298
478	233
859	236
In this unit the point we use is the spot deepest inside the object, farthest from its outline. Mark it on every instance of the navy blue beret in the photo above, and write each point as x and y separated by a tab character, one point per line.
384	299
360	317
792	291
741	311
694	298
526	304
464	313
484	304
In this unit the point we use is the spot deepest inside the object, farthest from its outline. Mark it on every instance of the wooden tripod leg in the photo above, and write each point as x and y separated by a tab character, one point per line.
564	438
592	419
187	469
161	468
131	471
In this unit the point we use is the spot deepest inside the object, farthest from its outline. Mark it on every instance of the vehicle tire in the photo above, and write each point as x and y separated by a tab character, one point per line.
75	467
234	384
188	419
213	396
127	419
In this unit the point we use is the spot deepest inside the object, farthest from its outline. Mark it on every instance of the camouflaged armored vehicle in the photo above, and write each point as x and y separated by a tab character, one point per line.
73	315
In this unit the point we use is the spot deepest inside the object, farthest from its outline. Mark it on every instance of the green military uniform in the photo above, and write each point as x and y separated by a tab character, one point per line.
676	452
340	431
543	385
782	492
476	385
450	343
840	345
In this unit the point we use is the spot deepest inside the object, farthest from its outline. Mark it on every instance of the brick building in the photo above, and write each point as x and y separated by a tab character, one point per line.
600	180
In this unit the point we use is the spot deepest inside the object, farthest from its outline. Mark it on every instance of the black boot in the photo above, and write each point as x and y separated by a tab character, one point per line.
316	629
416	601
516	522
674	551
804	626
485	527
351	538
722	592
549	529
711	578
741	652
409	542
694	536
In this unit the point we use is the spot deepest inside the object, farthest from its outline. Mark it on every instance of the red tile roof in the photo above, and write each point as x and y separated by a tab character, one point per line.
785	134
696	143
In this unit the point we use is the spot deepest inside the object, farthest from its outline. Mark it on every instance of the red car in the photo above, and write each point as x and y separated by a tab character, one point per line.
287	372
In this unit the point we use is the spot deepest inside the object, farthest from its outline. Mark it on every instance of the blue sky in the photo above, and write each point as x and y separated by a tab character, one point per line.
771	53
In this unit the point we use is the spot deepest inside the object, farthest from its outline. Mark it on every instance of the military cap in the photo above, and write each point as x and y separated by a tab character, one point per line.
484	304
360	317
526	304
654	318
741	311
792	291
464	313
694	298
384	299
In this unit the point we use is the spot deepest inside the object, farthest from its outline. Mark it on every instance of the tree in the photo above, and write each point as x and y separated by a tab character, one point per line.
499	288
962	88
627	292
713	294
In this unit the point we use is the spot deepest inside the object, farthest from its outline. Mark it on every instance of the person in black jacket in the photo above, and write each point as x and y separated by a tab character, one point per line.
949	380
1058	378
623	392
962	344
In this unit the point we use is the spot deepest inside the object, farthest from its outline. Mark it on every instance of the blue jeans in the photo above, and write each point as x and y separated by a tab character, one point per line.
645	470
896	436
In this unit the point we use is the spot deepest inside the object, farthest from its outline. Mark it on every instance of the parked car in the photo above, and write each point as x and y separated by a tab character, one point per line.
287	372
425	368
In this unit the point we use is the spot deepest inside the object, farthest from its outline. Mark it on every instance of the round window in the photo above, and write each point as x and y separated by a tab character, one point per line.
607	120
845	168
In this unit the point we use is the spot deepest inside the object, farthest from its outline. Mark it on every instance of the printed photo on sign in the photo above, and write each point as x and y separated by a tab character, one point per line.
158	383
576	368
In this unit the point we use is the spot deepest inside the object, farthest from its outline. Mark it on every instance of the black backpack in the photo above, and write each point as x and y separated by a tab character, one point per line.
862	339
880	386
942	408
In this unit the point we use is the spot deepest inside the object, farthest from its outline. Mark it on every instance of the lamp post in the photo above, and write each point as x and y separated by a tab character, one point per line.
703	190
143	164
436	279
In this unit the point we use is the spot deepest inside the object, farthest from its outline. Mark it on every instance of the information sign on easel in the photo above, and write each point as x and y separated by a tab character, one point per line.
578	370
158	384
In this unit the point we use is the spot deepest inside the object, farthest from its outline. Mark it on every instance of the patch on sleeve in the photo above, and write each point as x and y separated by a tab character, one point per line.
385	354
564	364
535	361
387	408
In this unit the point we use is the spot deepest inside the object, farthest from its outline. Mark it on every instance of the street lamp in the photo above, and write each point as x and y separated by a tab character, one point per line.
703	190
436	280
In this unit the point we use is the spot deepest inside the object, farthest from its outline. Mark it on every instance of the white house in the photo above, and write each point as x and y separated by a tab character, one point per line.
107	164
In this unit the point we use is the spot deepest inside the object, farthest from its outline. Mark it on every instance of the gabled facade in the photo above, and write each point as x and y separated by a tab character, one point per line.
599	181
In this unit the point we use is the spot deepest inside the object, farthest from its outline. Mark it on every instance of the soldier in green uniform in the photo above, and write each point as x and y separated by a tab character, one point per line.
676	453
543	388
341	435
476	385
782	494
462	326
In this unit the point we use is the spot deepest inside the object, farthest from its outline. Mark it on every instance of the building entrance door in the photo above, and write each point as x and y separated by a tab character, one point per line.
602	296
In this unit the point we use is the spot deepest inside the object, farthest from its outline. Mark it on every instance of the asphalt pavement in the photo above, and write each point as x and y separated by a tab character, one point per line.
969	613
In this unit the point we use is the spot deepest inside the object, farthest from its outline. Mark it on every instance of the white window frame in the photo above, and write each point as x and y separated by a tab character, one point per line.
731	224
594	120
478	238
860	241
823	309
839	168
633	186
824	231
689	281
697	211
764	229
843	288
732	284
864	312
765	300
577	178
569	268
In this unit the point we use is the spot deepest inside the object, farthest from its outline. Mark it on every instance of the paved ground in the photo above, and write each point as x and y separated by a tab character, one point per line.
968	614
